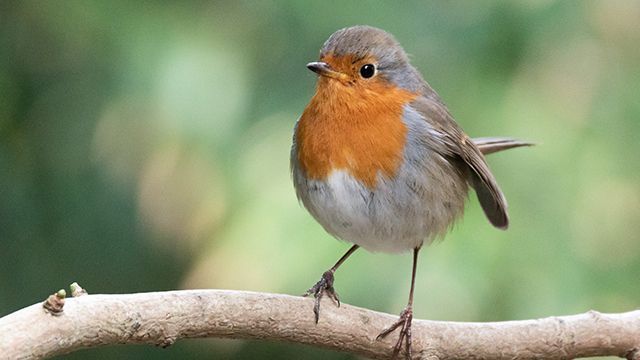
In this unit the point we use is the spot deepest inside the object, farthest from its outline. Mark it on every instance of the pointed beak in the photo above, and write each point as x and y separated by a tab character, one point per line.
323	69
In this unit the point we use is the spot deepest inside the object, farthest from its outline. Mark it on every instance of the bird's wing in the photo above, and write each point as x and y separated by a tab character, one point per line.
455	143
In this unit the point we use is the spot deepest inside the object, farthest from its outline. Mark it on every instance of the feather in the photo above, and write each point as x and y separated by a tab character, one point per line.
455	144
490	145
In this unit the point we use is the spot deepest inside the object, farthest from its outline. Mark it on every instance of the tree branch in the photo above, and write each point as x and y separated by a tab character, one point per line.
161	318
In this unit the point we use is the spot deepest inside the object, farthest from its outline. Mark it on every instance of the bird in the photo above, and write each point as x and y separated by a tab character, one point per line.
379	161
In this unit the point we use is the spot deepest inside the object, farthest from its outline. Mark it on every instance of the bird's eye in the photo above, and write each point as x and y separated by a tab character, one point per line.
367	70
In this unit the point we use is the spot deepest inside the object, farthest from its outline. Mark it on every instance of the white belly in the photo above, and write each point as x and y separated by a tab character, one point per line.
396	216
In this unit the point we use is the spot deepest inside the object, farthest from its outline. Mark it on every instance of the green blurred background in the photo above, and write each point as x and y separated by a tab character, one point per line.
145	146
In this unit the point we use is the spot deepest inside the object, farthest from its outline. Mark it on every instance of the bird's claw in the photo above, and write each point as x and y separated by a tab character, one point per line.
404	323
322	287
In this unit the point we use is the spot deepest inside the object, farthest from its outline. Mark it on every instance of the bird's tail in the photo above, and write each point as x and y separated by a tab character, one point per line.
489	145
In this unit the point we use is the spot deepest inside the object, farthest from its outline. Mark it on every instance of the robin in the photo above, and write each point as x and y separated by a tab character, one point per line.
379	161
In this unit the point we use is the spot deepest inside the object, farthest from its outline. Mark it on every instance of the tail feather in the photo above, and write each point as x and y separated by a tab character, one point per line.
489	145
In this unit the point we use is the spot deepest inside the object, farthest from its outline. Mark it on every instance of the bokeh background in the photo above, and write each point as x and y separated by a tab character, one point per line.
145	146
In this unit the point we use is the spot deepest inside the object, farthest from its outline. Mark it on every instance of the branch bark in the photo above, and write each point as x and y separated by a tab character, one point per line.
161	318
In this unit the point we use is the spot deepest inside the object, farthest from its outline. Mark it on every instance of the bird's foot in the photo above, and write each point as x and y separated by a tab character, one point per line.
404	323
322	287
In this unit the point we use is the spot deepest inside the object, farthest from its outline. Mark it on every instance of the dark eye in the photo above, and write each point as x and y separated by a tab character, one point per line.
367	70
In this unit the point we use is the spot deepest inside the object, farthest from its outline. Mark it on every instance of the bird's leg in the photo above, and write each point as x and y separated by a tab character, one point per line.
406	316
325	285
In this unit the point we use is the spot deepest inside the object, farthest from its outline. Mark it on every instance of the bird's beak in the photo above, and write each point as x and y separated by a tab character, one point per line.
323	69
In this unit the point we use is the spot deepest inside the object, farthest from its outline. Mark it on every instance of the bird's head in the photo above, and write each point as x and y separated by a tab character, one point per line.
365	57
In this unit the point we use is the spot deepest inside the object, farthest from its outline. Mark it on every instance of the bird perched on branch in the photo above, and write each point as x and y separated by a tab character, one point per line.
379	161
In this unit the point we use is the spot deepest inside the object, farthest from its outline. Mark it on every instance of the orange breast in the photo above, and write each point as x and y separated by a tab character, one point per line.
354	128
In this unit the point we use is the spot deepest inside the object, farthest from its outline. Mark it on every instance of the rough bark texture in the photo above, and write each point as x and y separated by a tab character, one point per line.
161	318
